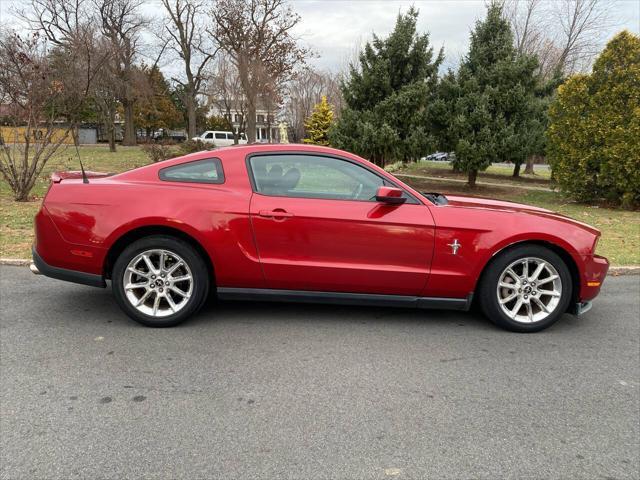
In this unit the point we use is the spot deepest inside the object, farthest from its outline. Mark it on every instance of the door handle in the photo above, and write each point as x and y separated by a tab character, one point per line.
276	213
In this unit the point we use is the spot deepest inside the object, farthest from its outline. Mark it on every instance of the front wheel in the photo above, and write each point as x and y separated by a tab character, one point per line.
160	281
526	289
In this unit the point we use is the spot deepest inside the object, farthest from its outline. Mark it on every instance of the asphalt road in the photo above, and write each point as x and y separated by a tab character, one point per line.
293	391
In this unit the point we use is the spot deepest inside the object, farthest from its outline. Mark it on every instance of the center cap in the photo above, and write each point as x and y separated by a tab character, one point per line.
159	282
527	289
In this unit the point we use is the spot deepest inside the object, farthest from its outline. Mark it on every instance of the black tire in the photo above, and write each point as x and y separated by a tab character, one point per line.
487	291
189	255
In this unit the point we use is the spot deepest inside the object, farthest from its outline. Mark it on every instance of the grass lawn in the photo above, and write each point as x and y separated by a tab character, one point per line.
620	229
493	174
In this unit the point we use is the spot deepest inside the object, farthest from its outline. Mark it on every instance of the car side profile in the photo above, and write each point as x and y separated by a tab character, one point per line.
307	223
220	138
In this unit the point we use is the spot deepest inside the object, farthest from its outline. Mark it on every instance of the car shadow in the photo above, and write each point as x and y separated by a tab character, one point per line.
98	306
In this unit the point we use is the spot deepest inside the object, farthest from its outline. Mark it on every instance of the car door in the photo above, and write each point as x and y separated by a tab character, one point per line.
318	227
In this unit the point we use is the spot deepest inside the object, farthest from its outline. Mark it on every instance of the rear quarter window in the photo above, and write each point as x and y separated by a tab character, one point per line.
199	171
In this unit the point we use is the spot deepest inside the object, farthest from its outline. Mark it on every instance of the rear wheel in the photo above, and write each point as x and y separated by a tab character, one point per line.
526	289
160	281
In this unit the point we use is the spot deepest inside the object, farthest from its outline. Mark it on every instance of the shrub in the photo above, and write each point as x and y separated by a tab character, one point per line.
158	151
594	128
192	146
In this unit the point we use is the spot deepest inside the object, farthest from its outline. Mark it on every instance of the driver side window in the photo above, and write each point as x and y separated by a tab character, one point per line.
313	176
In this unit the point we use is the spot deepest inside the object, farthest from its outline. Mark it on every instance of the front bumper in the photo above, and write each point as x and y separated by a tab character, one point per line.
595	271
39	266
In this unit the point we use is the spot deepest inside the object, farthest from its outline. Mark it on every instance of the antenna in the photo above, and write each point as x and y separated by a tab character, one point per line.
85	179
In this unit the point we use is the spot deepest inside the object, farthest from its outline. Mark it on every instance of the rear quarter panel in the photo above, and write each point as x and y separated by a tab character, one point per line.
96	215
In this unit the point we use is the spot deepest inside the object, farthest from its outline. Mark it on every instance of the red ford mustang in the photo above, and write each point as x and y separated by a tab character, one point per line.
308	223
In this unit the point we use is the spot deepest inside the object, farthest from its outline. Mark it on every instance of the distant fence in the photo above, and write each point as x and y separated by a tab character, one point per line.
17	135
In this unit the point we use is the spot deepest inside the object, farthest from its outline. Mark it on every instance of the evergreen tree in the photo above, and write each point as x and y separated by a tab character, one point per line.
215	122
155	108
387	95
593	135
493	102
318	123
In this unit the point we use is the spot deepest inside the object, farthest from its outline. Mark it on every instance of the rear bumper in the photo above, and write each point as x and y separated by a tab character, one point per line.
39	266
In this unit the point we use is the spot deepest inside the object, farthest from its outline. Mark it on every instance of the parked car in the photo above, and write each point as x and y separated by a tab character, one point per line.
219	138
437	157
306	223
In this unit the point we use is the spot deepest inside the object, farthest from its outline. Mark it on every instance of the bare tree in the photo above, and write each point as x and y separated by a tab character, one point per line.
226	94
304	92
565	35
256	34
60	21
121	24
104	95
43	87
187	38
582	25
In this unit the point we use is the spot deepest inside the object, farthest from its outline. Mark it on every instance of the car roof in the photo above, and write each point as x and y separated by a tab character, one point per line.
279	147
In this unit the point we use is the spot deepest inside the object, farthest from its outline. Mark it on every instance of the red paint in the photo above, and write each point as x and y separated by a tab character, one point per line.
259	241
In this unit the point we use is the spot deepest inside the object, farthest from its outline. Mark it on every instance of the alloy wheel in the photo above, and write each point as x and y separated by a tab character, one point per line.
529	290
158	282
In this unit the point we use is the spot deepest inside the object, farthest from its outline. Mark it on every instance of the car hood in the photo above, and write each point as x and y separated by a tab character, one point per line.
461	201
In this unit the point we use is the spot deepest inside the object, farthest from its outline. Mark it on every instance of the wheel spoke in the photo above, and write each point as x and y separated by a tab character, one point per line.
550	278
540	304
179	292
150	266
537	271
133	286
529	311
181	278
513	274
172	304
525	269
156	304
516	308
510	286
143	298
509	298
138	272
161	264
174	268
551	293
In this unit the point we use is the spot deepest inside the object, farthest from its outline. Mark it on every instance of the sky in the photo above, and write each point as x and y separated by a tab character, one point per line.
334	29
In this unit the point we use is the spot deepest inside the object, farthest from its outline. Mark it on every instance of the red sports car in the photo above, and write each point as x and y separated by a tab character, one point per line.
308	224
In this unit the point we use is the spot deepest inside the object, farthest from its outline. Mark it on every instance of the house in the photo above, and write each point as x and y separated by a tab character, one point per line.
267	130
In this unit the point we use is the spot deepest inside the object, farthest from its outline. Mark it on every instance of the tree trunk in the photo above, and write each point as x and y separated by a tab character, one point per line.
473	175
21	196
251	120
112	139
191	117
528	170
75	135
516	169
129	137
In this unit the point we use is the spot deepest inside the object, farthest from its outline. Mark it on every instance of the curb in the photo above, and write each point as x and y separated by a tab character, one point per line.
613	271
16	262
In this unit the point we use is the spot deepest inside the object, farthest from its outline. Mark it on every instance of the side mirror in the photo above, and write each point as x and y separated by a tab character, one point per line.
390	196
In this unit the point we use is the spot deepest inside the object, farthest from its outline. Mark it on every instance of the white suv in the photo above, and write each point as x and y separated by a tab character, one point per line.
219	138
